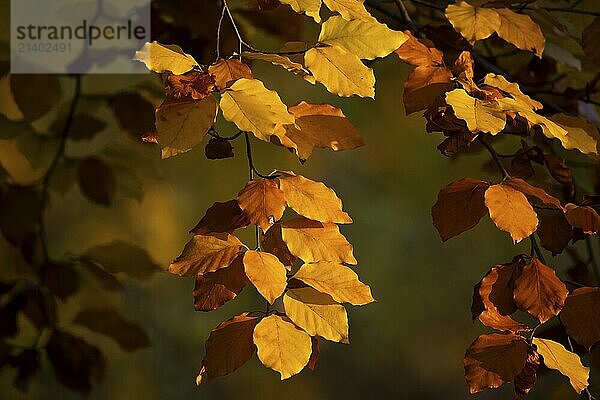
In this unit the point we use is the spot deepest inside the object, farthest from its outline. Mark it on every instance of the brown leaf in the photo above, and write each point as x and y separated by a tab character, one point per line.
493	360
424	85
228	347
263	202
590	41
206	253
134	113
122	257
459	207
228	71
581	316
129	335
559	171
416	52
214	289
510	211
222	218
539	291
96	181
194	84
314	355
272	242
525	381
533	191
554	231
583	217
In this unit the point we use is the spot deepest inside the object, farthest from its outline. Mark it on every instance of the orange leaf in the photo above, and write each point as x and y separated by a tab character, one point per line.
206	253
510	211
228	71
263	202
583	217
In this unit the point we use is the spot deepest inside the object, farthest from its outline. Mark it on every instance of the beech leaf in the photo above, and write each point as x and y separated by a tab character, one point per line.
555	356
266	273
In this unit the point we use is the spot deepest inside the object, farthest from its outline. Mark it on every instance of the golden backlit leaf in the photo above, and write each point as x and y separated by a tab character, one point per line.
227	71
493	360
282	346
341	72
314	241
367	39
263	202
581	134
321	126
309	7
228	347
581	316
254	108
555	356
266	273
313	200
162	58
538	291
214	289
510	211
459	207
337	280
480	115
317	313
349	9
521	31
473	23
206	253
181	125
513	89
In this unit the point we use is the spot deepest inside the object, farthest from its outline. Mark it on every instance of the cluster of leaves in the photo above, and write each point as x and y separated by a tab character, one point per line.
302	260
37	293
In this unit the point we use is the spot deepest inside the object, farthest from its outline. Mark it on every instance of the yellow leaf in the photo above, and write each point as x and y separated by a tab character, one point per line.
266	273
254	108
473	23
206	253
480	115
500	82
322	126
227	71
263	202
281	346
510	211
317	313
181	125
581	135
557	357
313	200
521	31
368	39
341	72
162	58
309	7
337	280
349	9
314	241
282	61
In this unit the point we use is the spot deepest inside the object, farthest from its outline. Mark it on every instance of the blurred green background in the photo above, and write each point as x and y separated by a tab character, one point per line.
409	344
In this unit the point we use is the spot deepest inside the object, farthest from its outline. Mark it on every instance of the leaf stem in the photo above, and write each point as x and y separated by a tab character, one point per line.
536	249
495	157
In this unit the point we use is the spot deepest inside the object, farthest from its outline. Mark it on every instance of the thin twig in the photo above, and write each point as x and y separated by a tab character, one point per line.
490	149
406	15
536	249
45	186
219	26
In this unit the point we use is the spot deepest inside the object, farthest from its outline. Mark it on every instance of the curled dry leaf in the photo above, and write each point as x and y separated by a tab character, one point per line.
214	289
526	380
196	85
336	280
538	291
584	218
266	273
228	347
581	316
459	207
228	71
314	241
282	346
555	356
263	202
510	211
317	313
493	360
206	253
313	200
